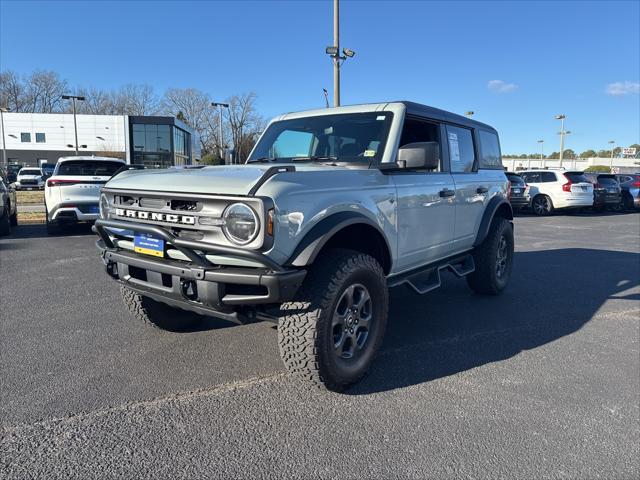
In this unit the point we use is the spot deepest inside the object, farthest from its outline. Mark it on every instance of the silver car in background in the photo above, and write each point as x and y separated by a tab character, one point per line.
72	193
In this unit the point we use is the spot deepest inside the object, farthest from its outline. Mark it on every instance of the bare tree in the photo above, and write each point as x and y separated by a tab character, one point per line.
194	108
139	100
12	91
245	123
44	91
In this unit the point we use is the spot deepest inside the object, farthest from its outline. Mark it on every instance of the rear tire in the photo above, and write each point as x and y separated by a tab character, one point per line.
53	227
330	334
542	205
627	203
14	219
157	314
493	259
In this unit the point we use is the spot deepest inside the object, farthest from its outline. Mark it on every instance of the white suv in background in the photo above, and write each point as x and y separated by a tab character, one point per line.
556	189
29	178
72	193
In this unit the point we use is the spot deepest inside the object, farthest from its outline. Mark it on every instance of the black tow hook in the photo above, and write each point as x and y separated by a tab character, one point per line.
112	269
189	289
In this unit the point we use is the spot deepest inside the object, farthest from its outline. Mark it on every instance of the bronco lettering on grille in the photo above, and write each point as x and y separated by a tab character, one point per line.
161	217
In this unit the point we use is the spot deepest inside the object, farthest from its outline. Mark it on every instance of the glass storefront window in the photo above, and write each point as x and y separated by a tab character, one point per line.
152	145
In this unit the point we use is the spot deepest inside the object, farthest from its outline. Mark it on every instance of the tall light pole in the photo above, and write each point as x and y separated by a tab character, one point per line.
221	106
542	162
561	117
73	98
334	52
612	143
4	147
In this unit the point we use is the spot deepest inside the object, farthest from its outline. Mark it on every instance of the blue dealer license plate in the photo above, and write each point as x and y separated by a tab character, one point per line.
148	245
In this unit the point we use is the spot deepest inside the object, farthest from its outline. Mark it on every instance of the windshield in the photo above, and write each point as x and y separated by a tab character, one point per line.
515	179
607	180
349	137
576	177
89	168
30	171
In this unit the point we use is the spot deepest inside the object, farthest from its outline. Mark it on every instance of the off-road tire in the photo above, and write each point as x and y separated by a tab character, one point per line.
305	332
485	279
157	314
548	210
5	222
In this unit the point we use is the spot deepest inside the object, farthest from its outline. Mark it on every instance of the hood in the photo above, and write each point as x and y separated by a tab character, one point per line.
221	180
29	177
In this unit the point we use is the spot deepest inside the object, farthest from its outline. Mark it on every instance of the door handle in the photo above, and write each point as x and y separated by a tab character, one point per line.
482	190
447	193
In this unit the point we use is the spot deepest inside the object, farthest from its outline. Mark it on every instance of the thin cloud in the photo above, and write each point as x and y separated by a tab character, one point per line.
500	86
618	89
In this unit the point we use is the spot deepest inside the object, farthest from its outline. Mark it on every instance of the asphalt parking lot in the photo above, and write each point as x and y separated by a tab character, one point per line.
542	382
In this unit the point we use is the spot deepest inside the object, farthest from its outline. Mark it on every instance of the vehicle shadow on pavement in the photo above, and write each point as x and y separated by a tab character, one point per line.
552	294
39	230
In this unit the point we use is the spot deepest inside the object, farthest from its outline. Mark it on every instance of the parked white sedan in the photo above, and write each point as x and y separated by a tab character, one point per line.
72	193
556	189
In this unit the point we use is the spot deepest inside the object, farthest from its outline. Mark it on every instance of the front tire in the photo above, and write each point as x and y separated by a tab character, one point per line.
157	314
330	334
14	219
493	259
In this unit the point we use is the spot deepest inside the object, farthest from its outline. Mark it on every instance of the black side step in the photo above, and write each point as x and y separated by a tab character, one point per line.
428	278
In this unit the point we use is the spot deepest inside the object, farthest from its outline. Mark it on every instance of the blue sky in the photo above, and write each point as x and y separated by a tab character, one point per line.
544	58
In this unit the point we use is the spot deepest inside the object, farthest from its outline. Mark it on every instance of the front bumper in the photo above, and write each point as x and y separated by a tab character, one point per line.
197	285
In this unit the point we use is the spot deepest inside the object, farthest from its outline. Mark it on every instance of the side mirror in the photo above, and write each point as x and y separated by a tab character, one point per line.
417	155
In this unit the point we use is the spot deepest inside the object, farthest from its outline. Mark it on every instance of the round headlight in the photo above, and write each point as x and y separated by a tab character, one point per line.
104	206
240	223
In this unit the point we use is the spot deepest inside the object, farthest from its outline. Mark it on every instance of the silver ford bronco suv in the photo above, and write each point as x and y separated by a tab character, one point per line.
332	208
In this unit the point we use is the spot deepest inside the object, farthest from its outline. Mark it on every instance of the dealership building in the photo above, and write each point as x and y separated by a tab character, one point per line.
31	139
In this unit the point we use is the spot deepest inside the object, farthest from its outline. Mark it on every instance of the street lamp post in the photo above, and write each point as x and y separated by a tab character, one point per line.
73	98
542	162
334	52
4	147
612	143
561	117
220	106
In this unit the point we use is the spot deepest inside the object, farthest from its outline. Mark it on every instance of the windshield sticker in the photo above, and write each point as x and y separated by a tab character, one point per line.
454	149
380	117
369	153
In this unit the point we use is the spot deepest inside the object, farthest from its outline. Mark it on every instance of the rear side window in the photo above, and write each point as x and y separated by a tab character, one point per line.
89	168
546	177
576	177
489	150
531	177
461	151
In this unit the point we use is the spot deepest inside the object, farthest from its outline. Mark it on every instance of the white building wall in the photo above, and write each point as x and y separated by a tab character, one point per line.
97	132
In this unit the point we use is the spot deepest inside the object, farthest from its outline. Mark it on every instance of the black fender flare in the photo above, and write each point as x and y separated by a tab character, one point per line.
316	238
495	204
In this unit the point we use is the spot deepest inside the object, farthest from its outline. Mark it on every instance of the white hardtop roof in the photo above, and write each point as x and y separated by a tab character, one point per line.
90	157
367	107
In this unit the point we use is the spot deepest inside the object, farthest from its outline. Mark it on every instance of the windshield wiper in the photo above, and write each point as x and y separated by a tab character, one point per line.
314	158
264	160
